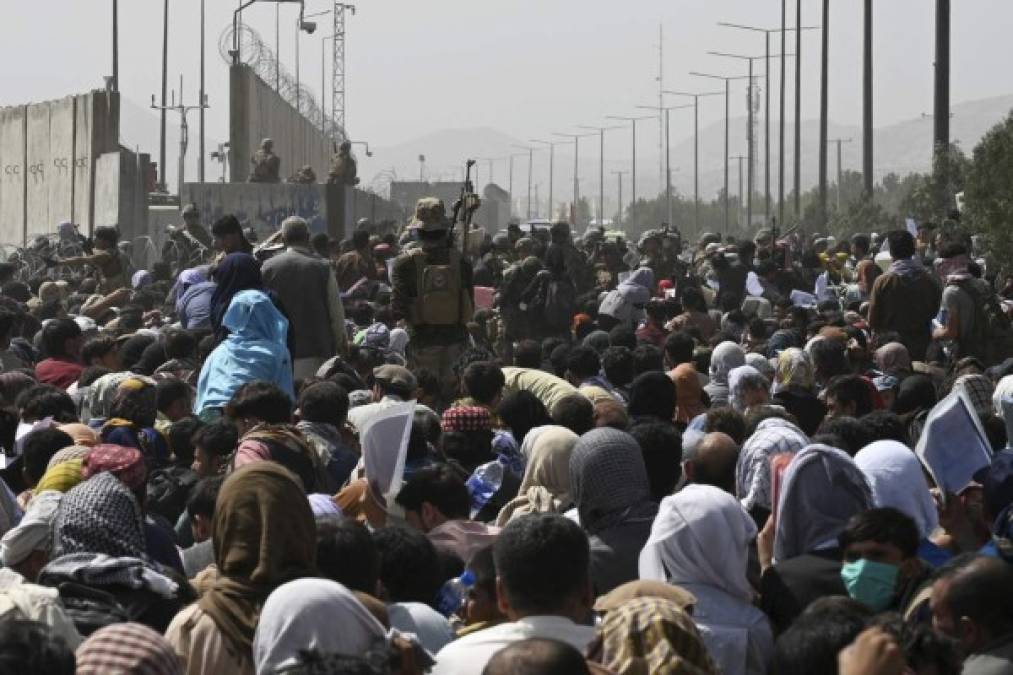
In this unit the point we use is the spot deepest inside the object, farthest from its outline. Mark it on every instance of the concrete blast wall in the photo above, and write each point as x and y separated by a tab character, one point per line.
47	155
256	112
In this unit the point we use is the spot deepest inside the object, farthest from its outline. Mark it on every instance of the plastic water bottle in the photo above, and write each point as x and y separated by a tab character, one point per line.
483	484
454	592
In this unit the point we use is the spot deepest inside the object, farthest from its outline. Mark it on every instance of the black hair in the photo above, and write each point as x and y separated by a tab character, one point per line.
980	588
883	425
483	381
652	394
217	439
557	359
170	390
661	447
622	336
440	486
409	567
537	656
180	344
522	411
542	561
323	402
728	421
106	233
90	374
692	299
852	389
528	354
346	553
900	243
884	526
227	224
468	448
96	348
203	497
55	335
33	647
8	322
679	347
180	435
483	566
583	362
647	358
44	400
39	447
617	364
261	400
850	434
575	412
813	641
360	238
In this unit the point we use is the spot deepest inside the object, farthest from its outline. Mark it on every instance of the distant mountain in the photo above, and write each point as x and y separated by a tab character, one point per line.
901	148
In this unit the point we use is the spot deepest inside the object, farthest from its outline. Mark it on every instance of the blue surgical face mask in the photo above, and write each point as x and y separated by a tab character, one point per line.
871	583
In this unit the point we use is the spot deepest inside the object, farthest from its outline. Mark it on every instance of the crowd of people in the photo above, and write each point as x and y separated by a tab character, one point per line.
617	457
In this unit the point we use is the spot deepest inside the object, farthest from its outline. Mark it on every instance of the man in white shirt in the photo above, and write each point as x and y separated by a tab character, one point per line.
543	585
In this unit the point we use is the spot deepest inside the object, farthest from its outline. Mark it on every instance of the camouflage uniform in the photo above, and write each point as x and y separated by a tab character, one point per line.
304	176
344	170
266	164
432	289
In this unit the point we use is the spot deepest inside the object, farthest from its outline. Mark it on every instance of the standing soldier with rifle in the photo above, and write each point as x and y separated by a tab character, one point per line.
432	291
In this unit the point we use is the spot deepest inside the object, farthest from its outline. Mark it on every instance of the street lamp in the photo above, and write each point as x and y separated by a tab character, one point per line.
552	154
696	149
235	23
308	27
576	171
633	168
531	157
780	164
750	172
668	153
619	175
510	188
365	145
601	165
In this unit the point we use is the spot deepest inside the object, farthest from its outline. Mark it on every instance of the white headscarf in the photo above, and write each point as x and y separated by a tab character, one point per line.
742	379
1004	389
312	614
398	341
34	532
896	478
700	536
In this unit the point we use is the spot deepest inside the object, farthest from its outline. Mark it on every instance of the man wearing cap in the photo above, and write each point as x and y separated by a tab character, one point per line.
266	164
432	289
308	291
391	384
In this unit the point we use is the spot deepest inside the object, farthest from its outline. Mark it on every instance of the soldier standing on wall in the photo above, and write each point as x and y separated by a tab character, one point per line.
304	176
432	290
266	164
344	169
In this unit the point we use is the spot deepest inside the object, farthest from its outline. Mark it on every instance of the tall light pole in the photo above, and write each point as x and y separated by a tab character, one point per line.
824	99
115	84
696	135
668	153
601	165
323	83
750	136
739	158
798	112
633	168
783	55
161	187
867	131
552	160
840	170
576	167
308	27
531	158
941	89
510	188
619	175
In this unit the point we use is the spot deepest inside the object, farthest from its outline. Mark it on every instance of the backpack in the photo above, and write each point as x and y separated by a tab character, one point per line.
560	303
168	489
992	338
441	299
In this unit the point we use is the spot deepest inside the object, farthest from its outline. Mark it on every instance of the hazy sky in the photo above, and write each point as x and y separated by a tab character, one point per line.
525	67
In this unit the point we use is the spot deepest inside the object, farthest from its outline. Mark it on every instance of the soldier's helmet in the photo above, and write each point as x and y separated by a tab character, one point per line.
345	145
430	215
190	211
266	144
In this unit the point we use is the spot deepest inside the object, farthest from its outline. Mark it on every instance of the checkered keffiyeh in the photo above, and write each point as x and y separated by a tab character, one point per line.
125	463
979	390
773	436
468	418
127	648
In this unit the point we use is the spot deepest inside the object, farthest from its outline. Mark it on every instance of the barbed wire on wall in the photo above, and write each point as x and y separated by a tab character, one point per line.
254	52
